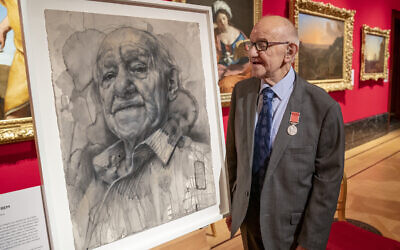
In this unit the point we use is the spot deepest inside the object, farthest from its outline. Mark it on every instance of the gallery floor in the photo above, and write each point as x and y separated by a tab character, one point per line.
373	196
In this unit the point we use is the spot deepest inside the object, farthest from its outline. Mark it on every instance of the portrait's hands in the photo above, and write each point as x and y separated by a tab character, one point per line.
300	248
4	29
221	71
228	221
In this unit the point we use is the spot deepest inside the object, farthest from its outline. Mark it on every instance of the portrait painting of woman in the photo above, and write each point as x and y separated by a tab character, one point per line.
233	21
231	68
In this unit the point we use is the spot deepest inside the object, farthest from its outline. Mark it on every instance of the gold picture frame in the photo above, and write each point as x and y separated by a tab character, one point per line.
371	39
16	130
257	14
335	15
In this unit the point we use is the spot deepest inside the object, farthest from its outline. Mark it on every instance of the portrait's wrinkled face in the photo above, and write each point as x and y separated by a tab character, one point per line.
133	92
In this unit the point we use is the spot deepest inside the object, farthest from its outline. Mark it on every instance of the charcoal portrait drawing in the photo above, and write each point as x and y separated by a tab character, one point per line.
134	129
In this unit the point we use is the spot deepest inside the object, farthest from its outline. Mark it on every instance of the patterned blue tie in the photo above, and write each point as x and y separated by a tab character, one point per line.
262	133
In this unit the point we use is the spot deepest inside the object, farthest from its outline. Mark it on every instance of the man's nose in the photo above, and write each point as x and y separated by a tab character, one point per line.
124	84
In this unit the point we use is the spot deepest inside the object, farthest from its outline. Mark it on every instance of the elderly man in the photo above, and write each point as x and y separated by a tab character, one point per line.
154	173
285	148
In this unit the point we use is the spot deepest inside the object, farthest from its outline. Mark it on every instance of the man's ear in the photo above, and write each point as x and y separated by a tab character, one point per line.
291	52
173	84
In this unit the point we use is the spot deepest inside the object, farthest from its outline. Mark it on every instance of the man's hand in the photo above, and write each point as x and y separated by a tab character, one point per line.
228	221
300	248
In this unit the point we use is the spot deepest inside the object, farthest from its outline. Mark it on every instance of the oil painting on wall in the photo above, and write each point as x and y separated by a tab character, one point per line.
7	50
374	53
233	22
326	43
15	121
321	47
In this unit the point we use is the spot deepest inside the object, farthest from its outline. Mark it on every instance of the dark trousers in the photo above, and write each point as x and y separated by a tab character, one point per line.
250	228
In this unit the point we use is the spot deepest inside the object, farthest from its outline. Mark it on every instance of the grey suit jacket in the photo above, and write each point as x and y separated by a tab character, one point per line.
302	181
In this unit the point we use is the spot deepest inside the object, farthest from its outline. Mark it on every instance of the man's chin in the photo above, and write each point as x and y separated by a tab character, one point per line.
258	70
258	74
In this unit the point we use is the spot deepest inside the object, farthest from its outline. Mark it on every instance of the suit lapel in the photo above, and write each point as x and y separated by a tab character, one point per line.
282	138
251	107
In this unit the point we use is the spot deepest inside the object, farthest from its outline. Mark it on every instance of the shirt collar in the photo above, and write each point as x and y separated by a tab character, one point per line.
161	143
282	89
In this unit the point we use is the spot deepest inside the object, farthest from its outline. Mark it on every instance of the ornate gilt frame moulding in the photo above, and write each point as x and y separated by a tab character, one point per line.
16	130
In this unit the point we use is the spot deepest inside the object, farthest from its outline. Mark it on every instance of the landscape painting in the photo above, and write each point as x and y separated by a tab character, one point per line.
321	47
326	43
374	53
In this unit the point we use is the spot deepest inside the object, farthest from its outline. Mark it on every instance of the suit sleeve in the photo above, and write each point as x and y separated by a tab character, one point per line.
329	164
231	157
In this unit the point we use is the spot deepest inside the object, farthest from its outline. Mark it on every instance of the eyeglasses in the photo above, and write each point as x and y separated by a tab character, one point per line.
260	45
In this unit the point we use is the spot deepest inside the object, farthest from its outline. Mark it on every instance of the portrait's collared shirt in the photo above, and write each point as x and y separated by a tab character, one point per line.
282	90
110	164
170	176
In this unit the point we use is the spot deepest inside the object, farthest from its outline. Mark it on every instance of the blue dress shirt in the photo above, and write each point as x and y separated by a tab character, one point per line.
282	89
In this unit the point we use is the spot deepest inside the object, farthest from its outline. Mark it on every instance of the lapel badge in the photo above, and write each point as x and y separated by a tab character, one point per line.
294	120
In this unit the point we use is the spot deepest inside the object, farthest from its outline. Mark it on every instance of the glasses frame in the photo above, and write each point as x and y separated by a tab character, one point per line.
268	44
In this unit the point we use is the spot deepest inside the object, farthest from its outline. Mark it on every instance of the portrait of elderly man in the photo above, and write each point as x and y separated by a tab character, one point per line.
156	173
137	162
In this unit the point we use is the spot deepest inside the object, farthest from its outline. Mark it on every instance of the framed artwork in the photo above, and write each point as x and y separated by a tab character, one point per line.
374	53
234	19
128	120
15	120
326	43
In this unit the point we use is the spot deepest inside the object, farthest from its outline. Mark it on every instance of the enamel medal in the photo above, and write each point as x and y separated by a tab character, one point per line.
294	120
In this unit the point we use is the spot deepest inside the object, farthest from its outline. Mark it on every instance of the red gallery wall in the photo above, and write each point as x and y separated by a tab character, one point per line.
18	162
18	166
367	98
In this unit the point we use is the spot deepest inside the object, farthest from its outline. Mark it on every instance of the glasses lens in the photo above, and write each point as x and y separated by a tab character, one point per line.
262	45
